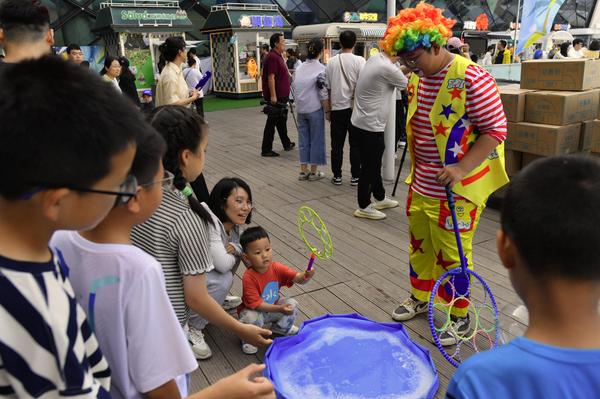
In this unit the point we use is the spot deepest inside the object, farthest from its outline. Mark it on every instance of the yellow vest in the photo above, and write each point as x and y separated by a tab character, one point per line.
454	135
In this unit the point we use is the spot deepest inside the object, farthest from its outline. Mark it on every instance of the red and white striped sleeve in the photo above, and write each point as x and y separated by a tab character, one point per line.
483	105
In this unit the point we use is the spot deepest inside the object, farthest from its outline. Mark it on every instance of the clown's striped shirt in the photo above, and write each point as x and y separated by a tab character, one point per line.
484	110
47	349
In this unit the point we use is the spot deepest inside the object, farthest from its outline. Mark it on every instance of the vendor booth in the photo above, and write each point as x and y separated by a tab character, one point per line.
368	36
236	32
134	28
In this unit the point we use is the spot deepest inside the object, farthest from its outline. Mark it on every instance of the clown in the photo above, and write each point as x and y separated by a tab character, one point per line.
456	128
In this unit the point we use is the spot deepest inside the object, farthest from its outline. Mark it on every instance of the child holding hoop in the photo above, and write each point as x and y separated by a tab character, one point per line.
261	304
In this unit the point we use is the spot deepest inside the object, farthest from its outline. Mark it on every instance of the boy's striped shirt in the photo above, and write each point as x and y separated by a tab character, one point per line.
47	348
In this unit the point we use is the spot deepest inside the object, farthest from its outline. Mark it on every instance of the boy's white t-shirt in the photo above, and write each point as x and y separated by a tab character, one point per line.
122	290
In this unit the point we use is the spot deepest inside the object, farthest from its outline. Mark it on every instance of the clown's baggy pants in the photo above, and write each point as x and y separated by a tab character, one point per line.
433	249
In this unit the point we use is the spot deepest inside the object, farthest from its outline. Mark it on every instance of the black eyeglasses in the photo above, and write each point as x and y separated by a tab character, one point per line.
411	62
127	189
166	182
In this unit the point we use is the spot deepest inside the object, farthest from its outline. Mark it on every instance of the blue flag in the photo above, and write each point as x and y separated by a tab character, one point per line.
536	21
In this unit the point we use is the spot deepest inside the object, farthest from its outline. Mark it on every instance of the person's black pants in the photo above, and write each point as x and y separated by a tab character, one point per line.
199	103
340	124
400	121
279	122
372	146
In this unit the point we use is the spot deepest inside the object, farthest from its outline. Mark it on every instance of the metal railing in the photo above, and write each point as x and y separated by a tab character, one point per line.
244	7
140	3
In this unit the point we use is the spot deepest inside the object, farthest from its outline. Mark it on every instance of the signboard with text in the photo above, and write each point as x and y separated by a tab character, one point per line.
360	16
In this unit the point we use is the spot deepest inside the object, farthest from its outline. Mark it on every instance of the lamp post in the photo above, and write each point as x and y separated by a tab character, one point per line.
390	128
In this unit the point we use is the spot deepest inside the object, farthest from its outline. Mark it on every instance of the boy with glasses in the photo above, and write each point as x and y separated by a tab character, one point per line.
64	176
456	128
122	289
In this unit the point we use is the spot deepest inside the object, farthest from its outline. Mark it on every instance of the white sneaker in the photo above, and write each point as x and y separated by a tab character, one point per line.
409	309
249	349
385	203
199	345
293	330
369	213
231	302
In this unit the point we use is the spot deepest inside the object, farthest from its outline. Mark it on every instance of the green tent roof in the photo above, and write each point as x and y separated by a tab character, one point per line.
141	19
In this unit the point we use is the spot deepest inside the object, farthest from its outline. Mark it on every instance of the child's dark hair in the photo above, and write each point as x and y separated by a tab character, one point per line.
182	129
61	125
252	234
347	39
72	47
148	155
551	211
564	49
171	47
315	46
190	59
108	60
24	20
221	191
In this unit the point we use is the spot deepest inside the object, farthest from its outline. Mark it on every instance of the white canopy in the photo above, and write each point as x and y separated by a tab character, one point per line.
333	30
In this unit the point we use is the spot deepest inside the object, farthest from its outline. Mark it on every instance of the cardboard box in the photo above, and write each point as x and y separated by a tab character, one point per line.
513	101
580	74
561	107
513	162
585	139
529	158
544	139
595	138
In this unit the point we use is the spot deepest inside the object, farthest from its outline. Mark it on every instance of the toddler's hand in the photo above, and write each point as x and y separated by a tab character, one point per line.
287	309
309	273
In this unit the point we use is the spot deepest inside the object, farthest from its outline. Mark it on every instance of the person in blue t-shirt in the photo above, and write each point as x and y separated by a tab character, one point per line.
549	243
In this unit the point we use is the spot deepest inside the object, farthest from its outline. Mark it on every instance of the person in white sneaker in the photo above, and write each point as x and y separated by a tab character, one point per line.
342	73
373	98
455	128
230	206
177	233
261	304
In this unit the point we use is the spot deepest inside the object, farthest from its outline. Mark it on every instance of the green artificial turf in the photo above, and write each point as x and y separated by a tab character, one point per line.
213	103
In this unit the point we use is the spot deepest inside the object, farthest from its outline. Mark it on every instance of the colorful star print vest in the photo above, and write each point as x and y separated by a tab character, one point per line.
454	135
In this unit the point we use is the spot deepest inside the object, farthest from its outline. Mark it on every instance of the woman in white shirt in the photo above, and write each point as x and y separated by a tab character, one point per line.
192	75
311	92
172	88
111	71
230	206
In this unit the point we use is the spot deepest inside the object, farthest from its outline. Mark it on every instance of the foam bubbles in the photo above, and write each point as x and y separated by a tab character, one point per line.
346	363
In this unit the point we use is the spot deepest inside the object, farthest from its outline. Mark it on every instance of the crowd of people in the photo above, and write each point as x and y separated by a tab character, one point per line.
114	255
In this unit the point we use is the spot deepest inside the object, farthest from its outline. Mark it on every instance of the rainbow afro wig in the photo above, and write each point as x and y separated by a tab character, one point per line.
412	28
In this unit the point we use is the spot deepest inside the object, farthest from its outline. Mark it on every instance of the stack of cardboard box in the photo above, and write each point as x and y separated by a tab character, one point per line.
553	112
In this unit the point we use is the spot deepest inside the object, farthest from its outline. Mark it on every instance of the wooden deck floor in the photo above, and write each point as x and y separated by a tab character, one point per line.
368	273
